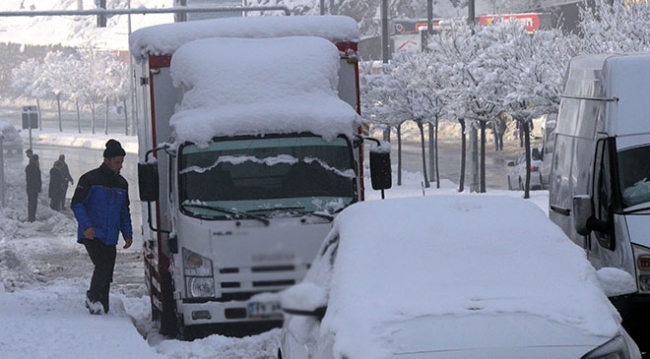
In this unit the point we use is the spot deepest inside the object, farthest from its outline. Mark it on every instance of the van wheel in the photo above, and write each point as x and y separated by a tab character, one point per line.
521	185
509	185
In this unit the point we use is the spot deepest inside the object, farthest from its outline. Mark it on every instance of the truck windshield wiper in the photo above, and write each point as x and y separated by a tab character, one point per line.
327	216
295	208
228	211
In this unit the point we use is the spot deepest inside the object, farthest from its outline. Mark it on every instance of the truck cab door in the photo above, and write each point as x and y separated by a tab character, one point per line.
601	237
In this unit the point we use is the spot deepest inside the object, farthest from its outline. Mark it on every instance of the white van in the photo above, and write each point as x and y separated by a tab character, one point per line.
599	189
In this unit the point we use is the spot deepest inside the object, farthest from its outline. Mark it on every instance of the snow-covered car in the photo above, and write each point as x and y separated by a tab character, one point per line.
451	276
11	140
517	174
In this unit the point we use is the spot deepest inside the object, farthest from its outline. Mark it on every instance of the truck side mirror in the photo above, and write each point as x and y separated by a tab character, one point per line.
380	169
148	181
582	211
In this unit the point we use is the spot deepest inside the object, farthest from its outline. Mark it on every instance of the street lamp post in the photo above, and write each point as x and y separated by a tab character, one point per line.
384	31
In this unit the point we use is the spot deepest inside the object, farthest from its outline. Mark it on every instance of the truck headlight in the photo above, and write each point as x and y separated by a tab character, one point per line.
199	278
200	287
642	256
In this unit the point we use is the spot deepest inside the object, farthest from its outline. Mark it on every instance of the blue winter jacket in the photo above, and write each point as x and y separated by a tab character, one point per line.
101	201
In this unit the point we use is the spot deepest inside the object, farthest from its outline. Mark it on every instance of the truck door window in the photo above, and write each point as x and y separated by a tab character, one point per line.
560	195
634	173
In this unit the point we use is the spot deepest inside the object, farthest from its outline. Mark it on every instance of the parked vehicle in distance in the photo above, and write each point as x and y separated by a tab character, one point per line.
517	174
408	278
11	141
548	144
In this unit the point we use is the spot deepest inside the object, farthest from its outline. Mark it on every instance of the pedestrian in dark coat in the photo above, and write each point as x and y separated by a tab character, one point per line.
55	190
67	178
101	207
33	177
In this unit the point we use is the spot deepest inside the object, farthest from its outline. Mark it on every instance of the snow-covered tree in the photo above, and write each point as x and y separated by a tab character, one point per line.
27	79
615	26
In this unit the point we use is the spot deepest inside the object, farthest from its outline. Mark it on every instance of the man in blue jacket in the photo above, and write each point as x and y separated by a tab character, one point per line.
101	207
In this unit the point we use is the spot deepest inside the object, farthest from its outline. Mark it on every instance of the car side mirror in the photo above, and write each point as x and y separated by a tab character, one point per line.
306	298
616	282
511	164
582	211
148	181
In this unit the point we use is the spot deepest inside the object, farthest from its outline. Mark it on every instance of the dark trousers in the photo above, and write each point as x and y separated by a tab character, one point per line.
56	202
103	257
32	201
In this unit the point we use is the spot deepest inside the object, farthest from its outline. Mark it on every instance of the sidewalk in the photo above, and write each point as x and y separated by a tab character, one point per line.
68	138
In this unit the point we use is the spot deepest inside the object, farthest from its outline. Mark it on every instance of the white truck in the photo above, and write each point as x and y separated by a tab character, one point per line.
250	143
599	188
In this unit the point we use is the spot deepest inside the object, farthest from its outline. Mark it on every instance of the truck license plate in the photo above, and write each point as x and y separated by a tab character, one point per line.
264	310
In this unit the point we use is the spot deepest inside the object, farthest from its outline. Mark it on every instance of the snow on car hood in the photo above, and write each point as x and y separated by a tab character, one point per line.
512	335
456	255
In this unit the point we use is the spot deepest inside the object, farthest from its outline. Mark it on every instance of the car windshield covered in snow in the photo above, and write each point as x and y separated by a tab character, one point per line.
267	176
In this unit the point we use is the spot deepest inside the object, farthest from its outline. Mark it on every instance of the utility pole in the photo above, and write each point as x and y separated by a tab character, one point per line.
429	17
384	31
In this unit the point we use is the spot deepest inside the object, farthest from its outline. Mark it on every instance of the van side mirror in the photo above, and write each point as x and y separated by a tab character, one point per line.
582	211
380	169
148	181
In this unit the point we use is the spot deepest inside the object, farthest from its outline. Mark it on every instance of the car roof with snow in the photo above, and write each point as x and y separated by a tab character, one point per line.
456	256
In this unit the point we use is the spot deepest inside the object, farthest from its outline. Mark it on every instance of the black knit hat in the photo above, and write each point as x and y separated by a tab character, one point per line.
113	149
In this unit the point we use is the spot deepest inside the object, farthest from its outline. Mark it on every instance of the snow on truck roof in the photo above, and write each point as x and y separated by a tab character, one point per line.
259	86
165	39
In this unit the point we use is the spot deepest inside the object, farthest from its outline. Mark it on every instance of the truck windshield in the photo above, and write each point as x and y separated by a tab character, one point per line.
634	173
268	176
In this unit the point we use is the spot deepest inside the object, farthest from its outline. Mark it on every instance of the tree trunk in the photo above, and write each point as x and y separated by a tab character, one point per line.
435	145
431	152
424	156
126	118
463	149
527	148
92	119
58	107
78	115
387	134
482	159
40	115
106	119
399	154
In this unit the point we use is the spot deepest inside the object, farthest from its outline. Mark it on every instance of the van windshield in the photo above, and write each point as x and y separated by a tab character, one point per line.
269	176
634	175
